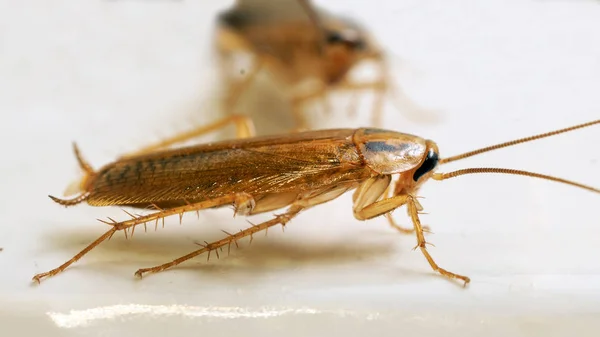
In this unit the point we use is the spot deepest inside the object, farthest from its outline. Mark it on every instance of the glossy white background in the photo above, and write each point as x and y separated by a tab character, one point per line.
115	75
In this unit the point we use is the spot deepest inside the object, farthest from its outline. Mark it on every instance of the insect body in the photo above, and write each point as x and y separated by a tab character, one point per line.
262	174
306	49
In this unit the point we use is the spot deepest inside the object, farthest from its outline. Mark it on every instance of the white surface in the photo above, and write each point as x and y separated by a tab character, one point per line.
114	75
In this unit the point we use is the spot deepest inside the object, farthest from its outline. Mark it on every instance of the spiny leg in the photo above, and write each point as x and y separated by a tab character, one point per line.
233	238
236	199
37	278
243	125
413	212
134	221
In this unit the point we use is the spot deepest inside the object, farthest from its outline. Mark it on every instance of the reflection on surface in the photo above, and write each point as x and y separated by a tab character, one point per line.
79	318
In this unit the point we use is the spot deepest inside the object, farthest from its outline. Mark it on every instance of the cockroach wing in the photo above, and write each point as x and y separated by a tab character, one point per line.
298	162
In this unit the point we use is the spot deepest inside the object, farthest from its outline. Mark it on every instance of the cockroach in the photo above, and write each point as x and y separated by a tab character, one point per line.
264	174
305	48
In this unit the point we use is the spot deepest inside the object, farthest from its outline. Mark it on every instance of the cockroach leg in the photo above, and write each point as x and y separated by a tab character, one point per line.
243	125
278	220
244	205
379	87
401	229
397	227
79	255
381	207
236	199
413	212
238	88
124	225
389	204
282	219
370	201
391	220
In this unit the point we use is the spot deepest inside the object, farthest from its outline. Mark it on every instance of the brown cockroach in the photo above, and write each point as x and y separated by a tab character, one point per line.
263	174
308	50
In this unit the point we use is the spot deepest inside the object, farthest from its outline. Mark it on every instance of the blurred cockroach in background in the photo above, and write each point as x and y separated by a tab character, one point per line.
306	51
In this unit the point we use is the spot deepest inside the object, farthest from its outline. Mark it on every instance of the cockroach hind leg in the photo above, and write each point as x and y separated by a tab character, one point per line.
127	224
233	238
38	277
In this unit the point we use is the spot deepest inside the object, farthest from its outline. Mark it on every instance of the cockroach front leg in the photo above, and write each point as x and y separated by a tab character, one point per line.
413	211
369	201
371	210
393	223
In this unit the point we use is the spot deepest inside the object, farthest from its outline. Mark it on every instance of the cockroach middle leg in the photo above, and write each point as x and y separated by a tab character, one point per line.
233	238
243	125
236	199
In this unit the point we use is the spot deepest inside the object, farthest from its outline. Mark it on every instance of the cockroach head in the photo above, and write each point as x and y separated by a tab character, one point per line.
342	31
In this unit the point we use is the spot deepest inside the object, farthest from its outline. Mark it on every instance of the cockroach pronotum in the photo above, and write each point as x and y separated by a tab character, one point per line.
263	174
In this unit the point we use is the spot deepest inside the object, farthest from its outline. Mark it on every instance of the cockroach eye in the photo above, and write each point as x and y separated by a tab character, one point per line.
349	38
428	165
